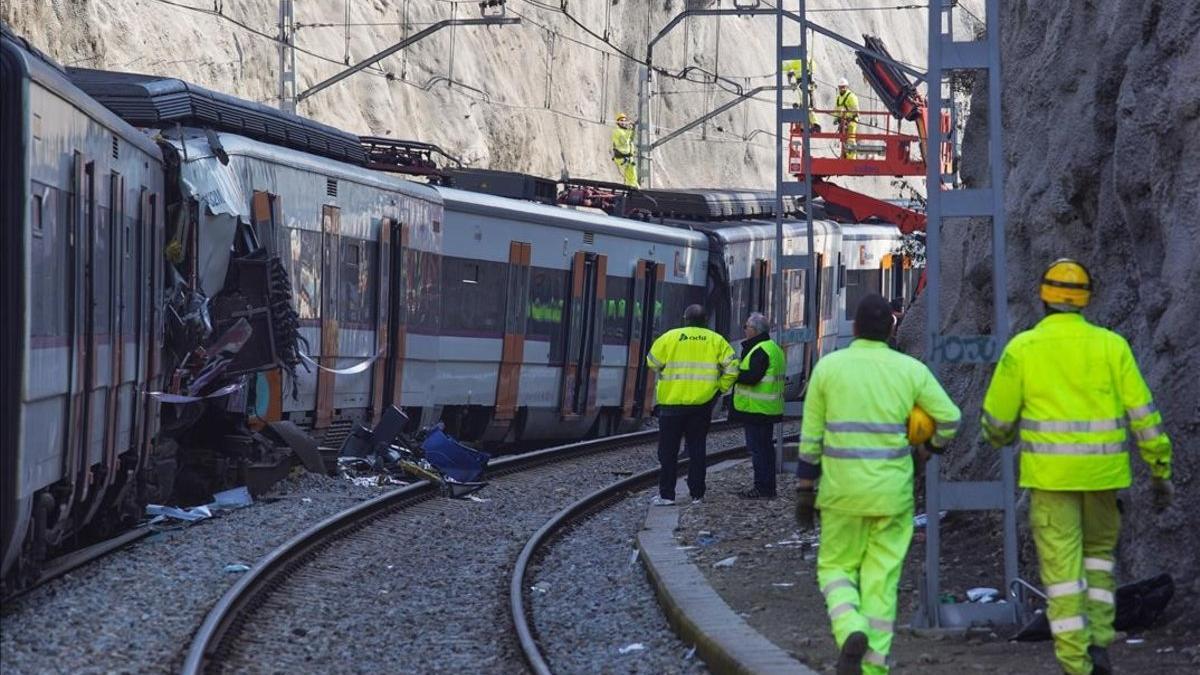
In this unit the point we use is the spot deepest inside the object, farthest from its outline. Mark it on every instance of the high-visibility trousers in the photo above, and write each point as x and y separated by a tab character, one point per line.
629	171
858	569
849	138
1075	533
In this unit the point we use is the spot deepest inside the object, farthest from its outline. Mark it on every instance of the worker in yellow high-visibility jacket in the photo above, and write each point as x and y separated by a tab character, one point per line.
624	150
1068	389
793	71
854	438
694	366
846	116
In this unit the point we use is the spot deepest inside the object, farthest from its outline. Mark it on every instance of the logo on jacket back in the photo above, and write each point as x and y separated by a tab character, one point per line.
685	336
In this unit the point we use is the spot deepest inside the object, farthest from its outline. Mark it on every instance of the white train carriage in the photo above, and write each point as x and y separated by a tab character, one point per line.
872	262
548	313
82	216
749	256
361	249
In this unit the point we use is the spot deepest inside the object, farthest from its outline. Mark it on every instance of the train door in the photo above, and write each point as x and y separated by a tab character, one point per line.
760	291
581	356
82	330
397	314
331	246
383	316
512	352
639	379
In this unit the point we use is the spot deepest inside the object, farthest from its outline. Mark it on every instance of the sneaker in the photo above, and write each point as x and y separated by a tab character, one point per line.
1101	665
853	649
661	501
697	500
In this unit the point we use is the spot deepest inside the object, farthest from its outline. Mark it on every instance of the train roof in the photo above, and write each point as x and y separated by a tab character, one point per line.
50	74
867	231
198	147
738	231
557	216
161	102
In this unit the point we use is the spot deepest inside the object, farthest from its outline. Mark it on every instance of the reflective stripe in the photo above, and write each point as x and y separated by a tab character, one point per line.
810	459
1098	564
866	427
1074	448
868	453
654	360
745	392
732	369
728	361
771	378
882	625
1148	433
995	423
804	440
946	426
688	376
1141	411
693	365
836	584
1067	625
841	609
1085	425
1101	595
1066	588
875	658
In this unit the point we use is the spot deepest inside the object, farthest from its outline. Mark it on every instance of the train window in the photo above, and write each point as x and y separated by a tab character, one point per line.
475	306
35	216
794	289
305	256
547	295
828	294
616	310
859	284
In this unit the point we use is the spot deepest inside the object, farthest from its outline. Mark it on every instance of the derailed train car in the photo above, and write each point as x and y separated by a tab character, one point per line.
82	212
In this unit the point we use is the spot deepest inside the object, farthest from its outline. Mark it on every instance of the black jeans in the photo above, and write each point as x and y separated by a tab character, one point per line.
761	444
693	426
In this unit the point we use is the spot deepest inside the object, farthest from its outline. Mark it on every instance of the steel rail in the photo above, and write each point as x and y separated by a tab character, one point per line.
70	561
226	617
556	526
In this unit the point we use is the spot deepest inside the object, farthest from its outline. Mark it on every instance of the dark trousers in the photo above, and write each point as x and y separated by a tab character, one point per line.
761	444
692	426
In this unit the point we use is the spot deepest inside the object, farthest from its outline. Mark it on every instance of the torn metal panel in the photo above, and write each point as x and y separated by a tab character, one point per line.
218	190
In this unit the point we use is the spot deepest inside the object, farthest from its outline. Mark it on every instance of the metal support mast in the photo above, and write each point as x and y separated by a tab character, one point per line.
805	264
945	56
287	56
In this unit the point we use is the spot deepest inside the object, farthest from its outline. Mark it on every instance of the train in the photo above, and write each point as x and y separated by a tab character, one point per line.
200	288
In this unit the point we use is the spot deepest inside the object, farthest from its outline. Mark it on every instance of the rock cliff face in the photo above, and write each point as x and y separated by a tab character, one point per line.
540	97
1102	143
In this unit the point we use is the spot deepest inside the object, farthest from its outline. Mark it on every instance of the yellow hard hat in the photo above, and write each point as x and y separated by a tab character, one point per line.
1066	285
920	427
621	117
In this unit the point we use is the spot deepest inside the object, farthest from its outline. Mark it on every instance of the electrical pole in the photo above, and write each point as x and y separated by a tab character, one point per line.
287	56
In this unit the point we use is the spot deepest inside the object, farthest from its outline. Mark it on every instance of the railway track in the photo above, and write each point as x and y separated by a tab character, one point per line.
540	546
379	582
75	559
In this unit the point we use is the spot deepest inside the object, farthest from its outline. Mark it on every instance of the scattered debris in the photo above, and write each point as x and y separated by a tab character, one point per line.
306	500
234	498
691	654
727	562
1139	606
705	538
783	584
635	647
174	512
386	453
633	556
237	568
1135	641
922	520
540	587
982	595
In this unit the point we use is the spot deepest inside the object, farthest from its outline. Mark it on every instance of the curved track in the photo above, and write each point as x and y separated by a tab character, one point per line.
242	632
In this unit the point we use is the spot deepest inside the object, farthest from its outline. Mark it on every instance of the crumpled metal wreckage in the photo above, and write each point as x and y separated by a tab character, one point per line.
436	456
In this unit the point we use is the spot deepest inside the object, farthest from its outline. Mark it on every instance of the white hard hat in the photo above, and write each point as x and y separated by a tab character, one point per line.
843	82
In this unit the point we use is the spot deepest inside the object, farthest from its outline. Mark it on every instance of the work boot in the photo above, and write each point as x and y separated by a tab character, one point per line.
853	650
753	493
1100	663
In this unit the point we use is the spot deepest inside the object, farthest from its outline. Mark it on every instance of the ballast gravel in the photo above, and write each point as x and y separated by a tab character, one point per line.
426	596
427	590
136	609
594	609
